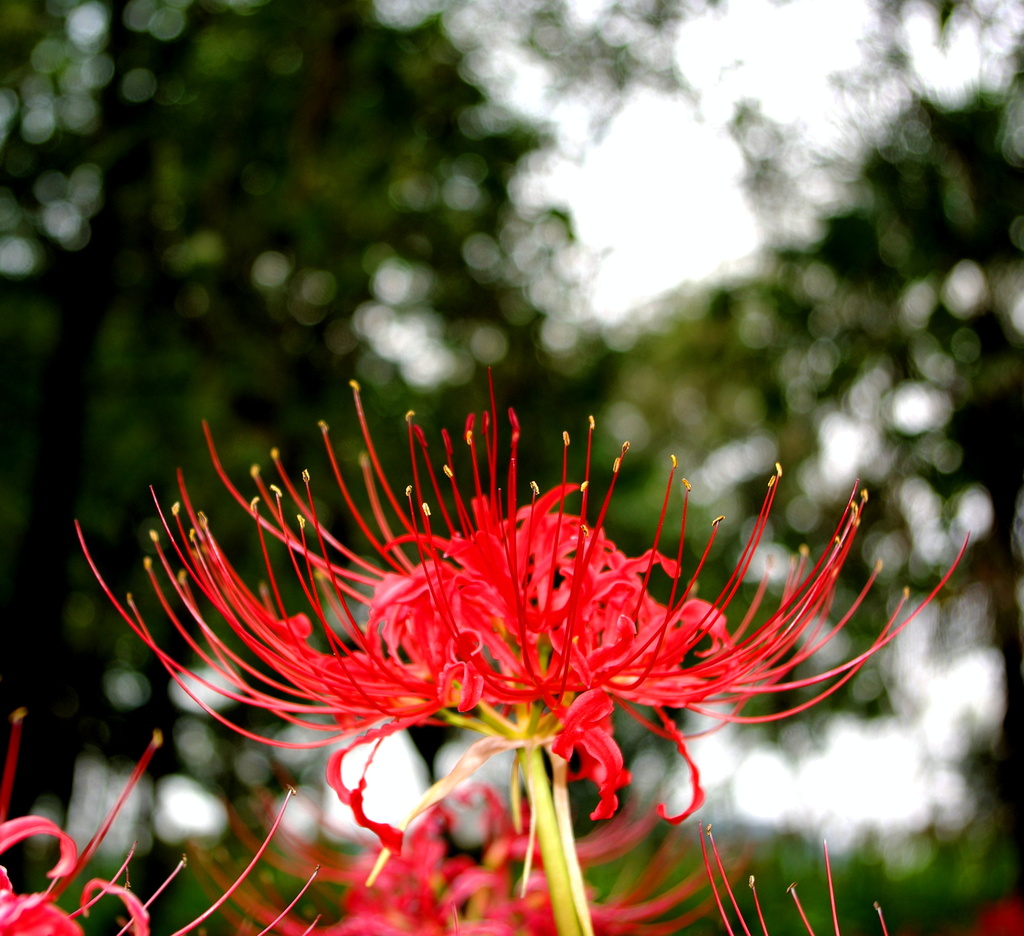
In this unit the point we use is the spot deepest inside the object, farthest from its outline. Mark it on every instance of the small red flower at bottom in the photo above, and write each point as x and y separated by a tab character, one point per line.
432	889
33	915
39	914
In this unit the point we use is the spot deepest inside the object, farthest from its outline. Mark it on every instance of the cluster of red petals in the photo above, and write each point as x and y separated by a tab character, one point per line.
38	914
434	890
467	595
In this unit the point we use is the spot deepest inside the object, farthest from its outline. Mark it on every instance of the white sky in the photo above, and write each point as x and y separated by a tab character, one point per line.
658	198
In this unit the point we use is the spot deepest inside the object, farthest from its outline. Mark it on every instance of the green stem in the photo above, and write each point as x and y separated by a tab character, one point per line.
556	869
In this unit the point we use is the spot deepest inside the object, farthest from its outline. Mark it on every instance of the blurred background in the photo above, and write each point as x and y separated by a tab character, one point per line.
740	232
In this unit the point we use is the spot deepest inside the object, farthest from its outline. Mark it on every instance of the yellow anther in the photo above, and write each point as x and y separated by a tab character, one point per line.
409	415
18	715
408	490
565	437
254	470
203	522
426	509
158	738
906	593
147	563
277	491
625	446
354	384
323	425
804	550
750	881
778	469
772	480
469	437
448	472
154	536
175	508
675	461
878	566
615	465
535	488
275	453
686	484
791	888
585	529
590	419
302	521
863	495
584	485
253	504
717	520
305	476
192	535
182	577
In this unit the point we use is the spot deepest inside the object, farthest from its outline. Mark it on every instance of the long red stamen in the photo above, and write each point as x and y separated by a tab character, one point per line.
725	881
152	897
757	904
136	775
831	891
711	879
799	907
291	906
881	919
421	441
372	451
206	914
561	512
11	761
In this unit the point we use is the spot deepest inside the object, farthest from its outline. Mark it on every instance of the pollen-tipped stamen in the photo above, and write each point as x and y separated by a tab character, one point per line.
799	907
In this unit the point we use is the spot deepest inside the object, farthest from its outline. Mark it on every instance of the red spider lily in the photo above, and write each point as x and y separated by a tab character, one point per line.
433	890
39	914
521	620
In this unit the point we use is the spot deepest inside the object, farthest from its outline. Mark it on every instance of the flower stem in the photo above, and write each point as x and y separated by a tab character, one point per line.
556	868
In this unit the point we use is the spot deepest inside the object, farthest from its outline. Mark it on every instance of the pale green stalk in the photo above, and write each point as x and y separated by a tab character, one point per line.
556	867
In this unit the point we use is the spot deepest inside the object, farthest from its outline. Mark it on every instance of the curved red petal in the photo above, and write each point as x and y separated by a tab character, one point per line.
16	830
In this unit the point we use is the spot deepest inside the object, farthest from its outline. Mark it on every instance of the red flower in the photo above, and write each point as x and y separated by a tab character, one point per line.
520	619
39	914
